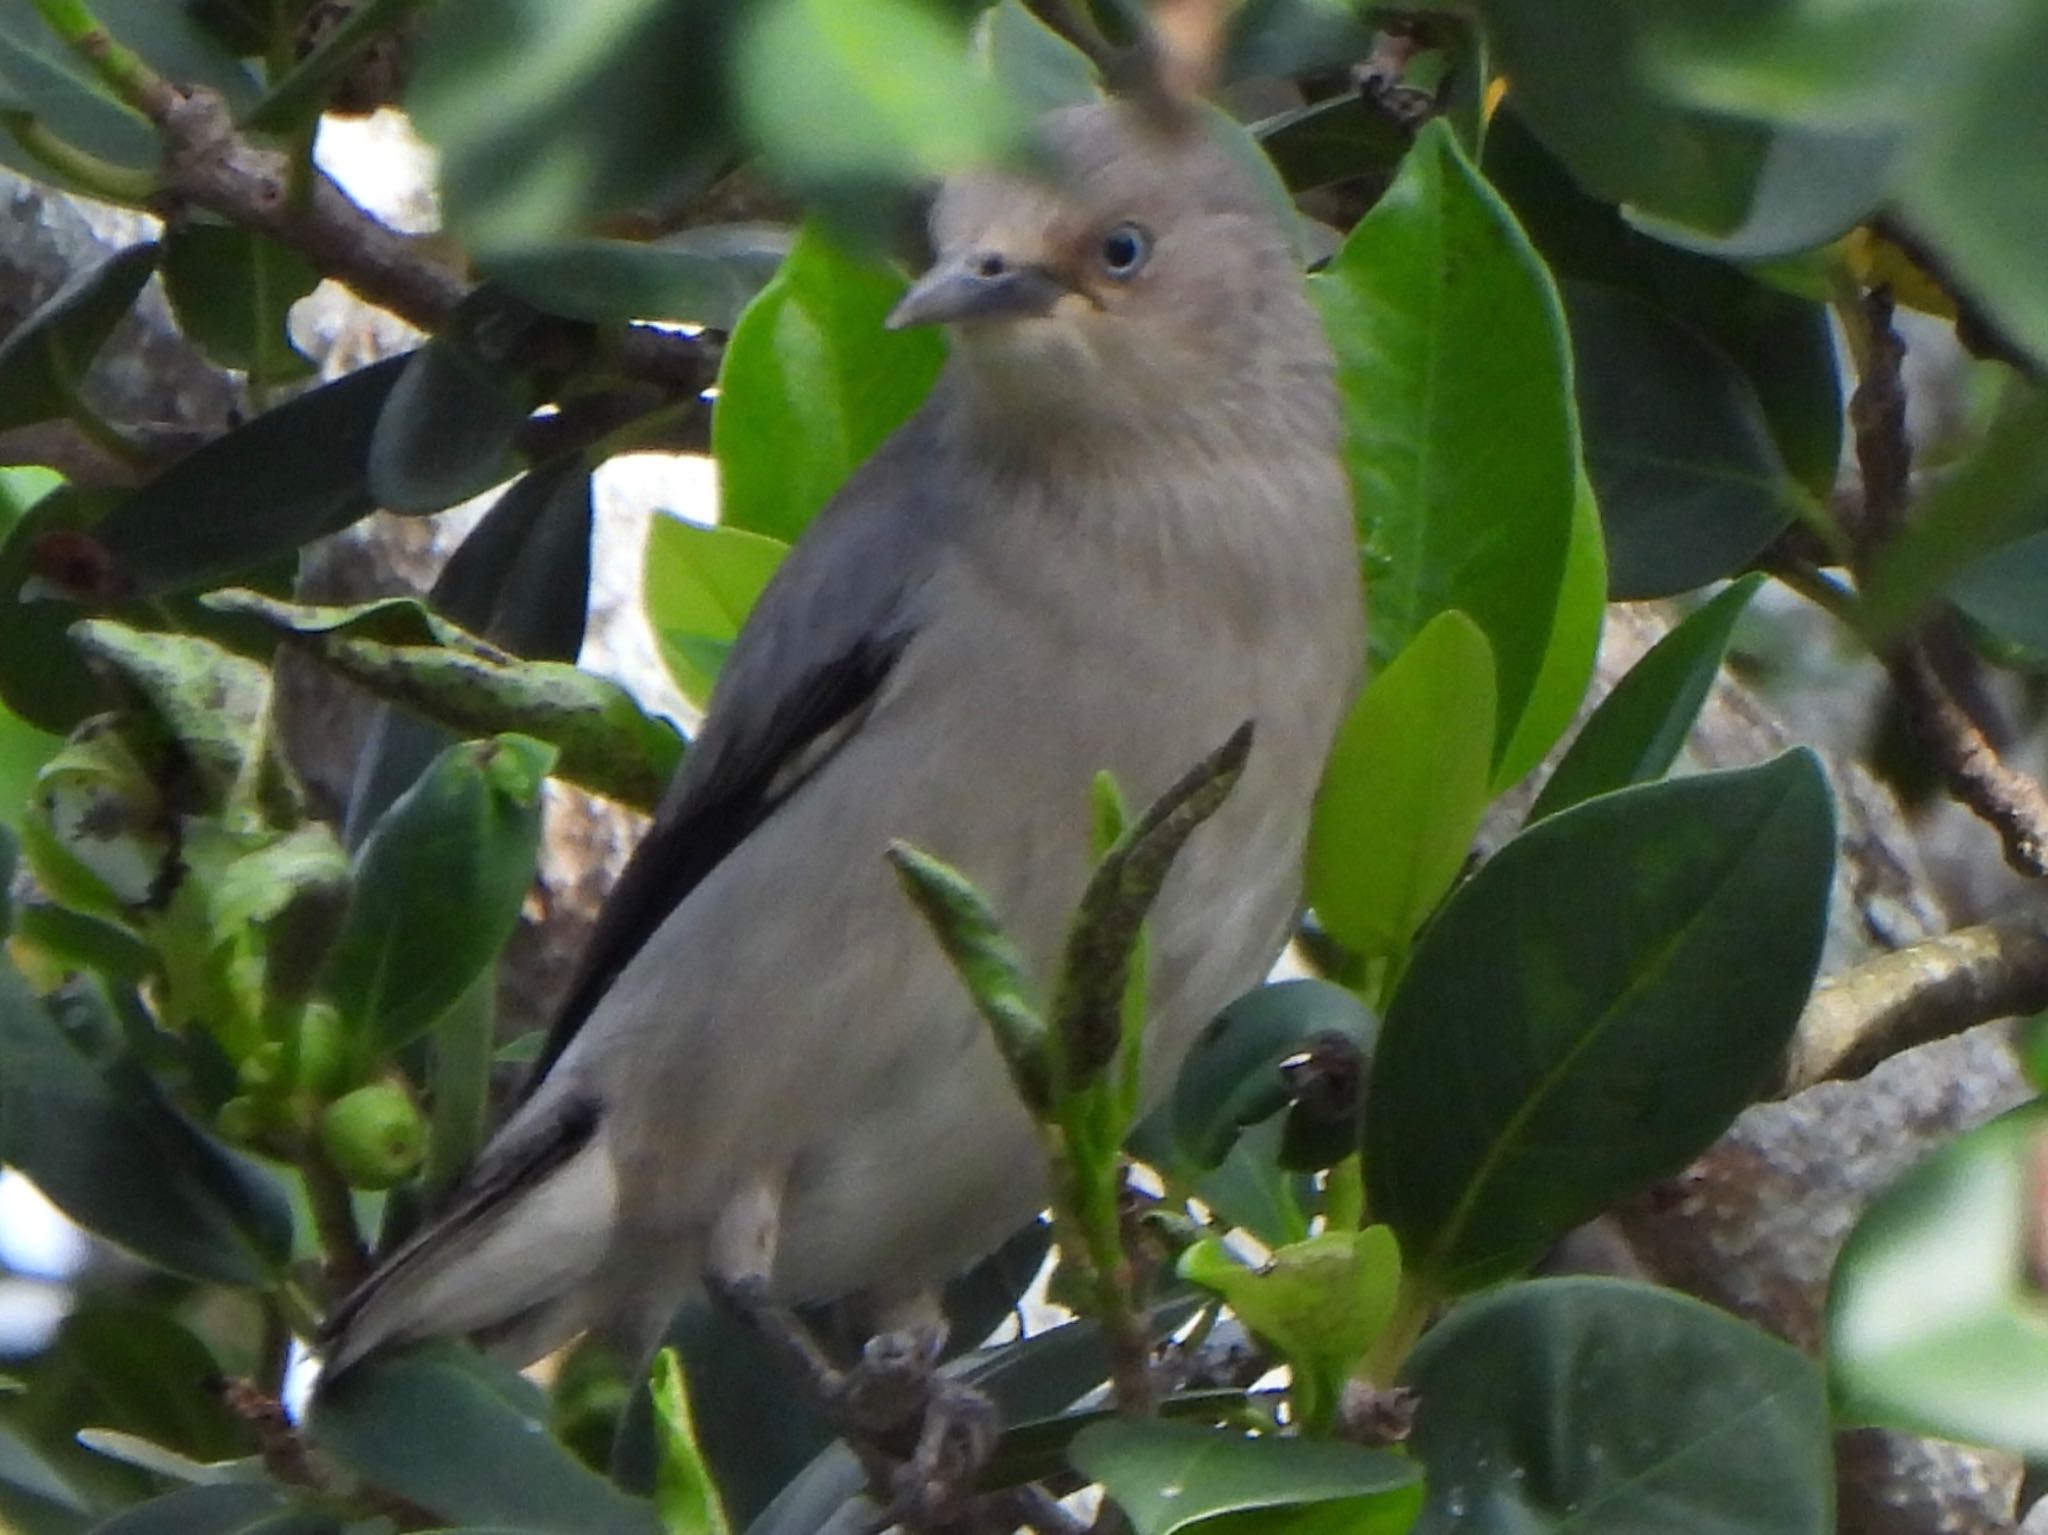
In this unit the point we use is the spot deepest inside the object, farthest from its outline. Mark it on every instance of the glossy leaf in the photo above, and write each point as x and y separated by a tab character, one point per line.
811	386
685	1494
43	359
1933	1312
1230	1078
882	92
1574	646
437	888
619	103
702	276
1591	1009
698	585
445	434
1406	785
1640	727
107	1148
1599	1407
441	1432
230	289
1169	1477
1784	345
1691	486
293	474
1451	361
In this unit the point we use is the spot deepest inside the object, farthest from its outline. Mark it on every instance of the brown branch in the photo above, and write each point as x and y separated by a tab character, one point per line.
1933	672
1913	996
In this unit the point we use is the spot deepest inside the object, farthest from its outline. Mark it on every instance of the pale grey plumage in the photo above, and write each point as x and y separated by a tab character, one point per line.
1118	529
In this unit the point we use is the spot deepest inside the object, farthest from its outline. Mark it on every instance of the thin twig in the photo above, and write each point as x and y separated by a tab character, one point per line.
1934	674
1924	992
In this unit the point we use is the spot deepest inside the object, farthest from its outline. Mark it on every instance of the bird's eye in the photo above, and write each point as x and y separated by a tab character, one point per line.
1124	250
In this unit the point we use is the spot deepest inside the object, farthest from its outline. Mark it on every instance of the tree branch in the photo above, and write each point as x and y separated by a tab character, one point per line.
1913	996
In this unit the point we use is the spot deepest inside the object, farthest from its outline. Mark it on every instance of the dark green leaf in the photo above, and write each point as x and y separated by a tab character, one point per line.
1934	1309
437	888
702	276
1331	140
521	580
1812	186
617	105
1598	1407
433	1429
149	1376
1175	1476
233	1508
1782	344
445	434
1230	1077
1690	484
1451	364
35	1497
1292	37
1591	1009
885	92
1406	785
2006	592
811	385
1996	496
1639	728
43	359
1036	67
698	585
116	1157
291	475
230	289
1574	646
23	751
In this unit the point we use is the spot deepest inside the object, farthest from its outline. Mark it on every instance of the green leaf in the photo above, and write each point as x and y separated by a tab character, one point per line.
1691	485
1452	367
1574	646
1640	727
1036	67
685	1496
1631	140
882	92
1933	1312
36	1498
1784	345
698	585
1997	495
43	359
23	751
1332	140
147	1375
620	103
811	385
230	289
398	651
108	1149
232	1508
292	475
1174	1476
437	889
446	432
702	276
437	1429
2007	592
1599	1407
1591	1009
1406	785
1231	1078
1321	1302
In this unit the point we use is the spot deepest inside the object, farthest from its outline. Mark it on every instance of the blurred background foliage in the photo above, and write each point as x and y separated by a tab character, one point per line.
1616	290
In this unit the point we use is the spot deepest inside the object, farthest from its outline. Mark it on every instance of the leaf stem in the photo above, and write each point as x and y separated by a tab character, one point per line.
121	68
101	178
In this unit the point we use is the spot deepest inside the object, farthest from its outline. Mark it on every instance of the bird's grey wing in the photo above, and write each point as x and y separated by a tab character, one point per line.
811	658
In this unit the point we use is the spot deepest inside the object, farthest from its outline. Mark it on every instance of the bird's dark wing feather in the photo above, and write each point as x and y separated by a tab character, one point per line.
812	658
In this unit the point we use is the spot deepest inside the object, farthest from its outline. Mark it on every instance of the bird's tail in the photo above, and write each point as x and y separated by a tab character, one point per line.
506	1262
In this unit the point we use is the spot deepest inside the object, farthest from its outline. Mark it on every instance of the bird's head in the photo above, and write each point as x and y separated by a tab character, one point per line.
1142	262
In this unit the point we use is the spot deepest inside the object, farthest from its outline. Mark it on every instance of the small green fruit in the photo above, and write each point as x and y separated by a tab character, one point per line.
374	1135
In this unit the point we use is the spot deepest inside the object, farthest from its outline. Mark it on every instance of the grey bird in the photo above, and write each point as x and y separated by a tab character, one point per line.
1118	529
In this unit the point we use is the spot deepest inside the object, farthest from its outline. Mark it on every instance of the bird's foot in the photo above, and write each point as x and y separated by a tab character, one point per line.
922	1437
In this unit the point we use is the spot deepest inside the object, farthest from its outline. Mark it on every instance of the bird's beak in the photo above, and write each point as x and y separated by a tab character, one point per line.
977	285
